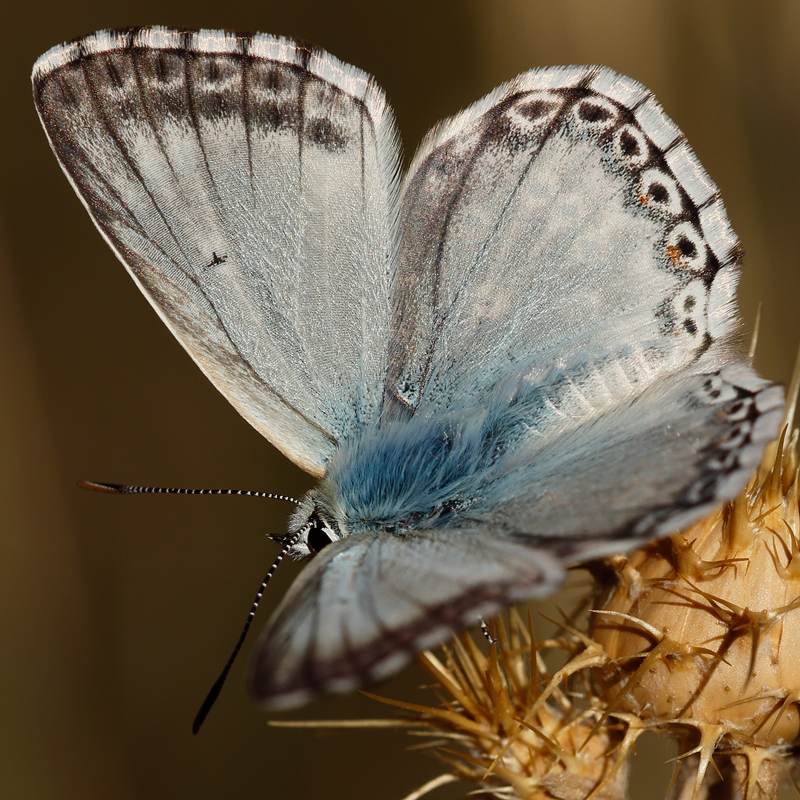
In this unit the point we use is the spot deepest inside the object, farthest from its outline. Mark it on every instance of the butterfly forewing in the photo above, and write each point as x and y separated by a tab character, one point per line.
248	185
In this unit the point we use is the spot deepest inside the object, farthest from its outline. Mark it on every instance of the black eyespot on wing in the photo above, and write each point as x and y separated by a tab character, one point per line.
629	144
535	109
590	112
687	247
658	192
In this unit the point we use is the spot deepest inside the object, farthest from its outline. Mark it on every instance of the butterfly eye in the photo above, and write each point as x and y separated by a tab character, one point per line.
318	535
317	539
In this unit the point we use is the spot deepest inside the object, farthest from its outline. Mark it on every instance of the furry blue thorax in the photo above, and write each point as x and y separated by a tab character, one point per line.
430	470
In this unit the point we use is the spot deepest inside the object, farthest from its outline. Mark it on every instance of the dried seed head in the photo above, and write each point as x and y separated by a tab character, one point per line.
702	630
507	725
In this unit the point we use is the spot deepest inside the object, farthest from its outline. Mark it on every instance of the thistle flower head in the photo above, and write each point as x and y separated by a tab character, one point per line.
505	722
702	631
696	636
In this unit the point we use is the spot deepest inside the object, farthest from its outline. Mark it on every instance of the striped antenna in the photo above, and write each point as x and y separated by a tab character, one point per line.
212	696
123	488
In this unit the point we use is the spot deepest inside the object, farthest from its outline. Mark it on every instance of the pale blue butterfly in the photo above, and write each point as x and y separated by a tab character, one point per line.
521	356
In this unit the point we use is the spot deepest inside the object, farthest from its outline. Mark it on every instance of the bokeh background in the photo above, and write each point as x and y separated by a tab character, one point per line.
116	613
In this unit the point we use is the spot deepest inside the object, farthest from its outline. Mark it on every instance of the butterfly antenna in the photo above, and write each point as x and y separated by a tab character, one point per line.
212	696
123	488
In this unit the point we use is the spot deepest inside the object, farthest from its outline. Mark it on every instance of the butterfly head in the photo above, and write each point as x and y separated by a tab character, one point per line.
316	525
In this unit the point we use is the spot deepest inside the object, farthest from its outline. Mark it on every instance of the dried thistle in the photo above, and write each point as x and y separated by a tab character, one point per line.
508	724
702	633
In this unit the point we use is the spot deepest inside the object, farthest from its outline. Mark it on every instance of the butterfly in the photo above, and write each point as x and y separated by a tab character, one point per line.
522	354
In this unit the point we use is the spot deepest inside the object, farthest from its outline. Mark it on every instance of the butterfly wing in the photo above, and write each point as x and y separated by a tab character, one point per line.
561	252
560	220
366	603
567	268
645	469
247	184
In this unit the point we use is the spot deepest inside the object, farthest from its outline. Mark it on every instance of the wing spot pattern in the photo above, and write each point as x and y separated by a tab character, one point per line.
659	191
536	109
522	123
686	249
596	113
324	134
685	313
628	144
524	119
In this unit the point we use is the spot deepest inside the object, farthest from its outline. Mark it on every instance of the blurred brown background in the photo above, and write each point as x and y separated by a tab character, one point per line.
116	613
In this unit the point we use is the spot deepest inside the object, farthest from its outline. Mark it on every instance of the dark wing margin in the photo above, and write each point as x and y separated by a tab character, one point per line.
364	605
248	184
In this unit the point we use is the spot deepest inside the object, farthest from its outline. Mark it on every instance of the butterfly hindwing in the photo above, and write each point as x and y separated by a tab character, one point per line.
559	220
247	183
628	476
365	604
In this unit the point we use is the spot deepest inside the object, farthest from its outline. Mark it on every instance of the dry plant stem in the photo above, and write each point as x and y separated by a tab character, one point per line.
427	788
750	775
683	787
757	779
738	780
